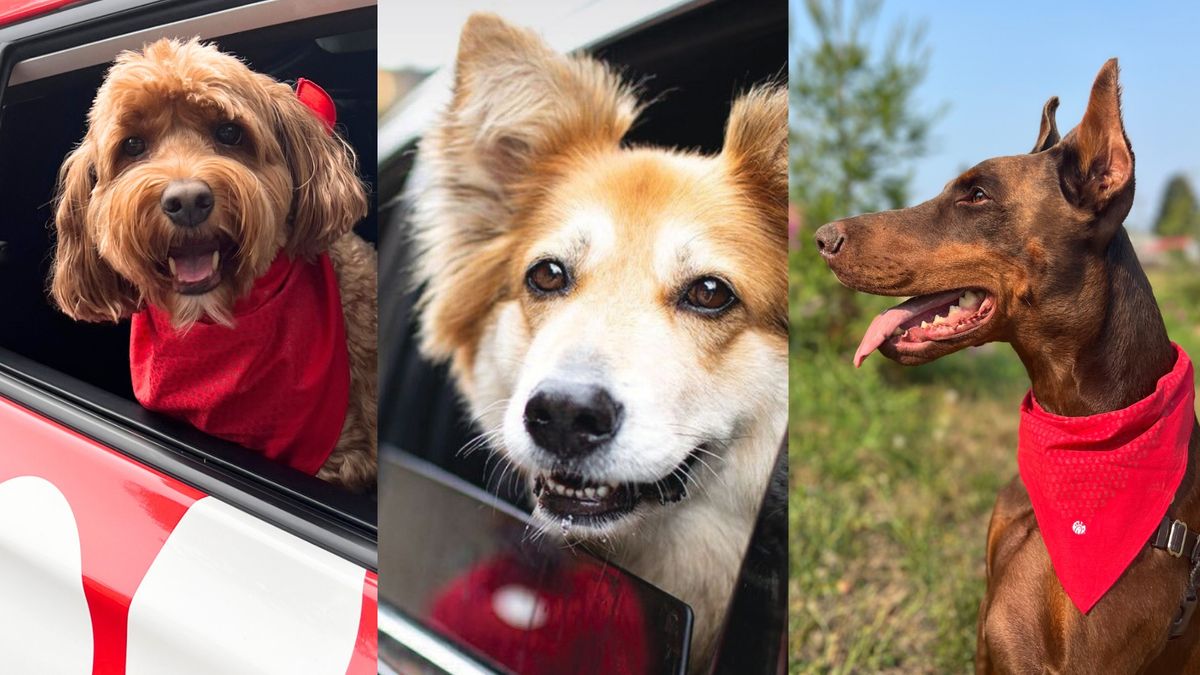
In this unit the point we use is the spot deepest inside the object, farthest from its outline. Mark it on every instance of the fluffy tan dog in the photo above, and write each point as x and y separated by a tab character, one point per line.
616	317
194	175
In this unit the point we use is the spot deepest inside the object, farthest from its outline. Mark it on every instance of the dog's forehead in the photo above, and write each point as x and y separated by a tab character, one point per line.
634	193
173	70
994	168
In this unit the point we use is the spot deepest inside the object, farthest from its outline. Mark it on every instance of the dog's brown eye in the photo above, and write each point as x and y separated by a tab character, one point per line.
977	195
229	134
133	146
547	276
709	295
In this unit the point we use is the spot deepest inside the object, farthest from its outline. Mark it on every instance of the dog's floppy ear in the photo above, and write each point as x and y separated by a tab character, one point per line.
1048	132
328	198
756	148
82	284
1097	158
520	113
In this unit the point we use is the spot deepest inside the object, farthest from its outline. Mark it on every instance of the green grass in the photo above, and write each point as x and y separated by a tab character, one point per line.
893	472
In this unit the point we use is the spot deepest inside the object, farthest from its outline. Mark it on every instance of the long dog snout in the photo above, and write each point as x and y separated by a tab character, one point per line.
571	420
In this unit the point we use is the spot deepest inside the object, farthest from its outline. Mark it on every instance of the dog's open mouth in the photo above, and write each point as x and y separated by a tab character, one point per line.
579	501
195	267
927	318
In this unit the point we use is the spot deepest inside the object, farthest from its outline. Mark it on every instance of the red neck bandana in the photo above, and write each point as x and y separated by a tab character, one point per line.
1101	484
277	382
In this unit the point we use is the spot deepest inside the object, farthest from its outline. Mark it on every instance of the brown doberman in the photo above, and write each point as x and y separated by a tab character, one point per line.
1031	250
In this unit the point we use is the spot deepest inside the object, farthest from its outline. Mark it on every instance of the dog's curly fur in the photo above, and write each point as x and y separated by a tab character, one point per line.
289	184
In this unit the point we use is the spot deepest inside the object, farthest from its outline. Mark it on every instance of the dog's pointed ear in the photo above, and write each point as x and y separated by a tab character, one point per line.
517	102
328	199
519	113
756	148
1097	159
82	284
1048	132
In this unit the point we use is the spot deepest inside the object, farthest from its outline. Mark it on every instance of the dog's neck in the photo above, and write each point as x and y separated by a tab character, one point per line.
1110	356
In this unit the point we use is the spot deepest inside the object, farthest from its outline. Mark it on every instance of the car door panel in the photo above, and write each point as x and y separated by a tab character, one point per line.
169	574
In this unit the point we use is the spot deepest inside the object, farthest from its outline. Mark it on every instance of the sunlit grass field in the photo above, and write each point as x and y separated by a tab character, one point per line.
893	472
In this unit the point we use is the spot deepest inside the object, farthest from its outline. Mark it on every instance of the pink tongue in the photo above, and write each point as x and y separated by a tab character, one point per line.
193	268
886	323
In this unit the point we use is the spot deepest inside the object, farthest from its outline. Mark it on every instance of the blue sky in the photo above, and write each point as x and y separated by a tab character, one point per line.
993	65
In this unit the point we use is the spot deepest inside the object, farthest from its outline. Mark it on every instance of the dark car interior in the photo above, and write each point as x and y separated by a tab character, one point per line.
43	119
691	64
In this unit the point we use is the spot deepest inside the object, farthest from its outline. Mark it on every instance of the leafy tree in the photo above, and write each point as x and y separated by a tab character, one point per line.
1179	213
855	128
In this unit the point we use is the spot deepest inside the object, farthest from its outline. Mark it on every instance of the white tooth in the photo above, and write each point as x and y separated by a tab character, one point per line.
955	309
939	319
559	488
171	264
216	260
602	491
924	324
590	492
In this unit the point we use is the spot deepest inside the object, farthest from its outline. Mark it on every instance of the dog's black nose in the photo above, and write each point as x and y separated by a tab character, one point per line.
187	202
568	419
830	239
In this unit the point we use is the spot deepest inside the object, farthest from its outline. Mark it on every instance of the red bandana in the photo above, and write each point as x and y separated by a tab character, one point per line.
1100	485
277	382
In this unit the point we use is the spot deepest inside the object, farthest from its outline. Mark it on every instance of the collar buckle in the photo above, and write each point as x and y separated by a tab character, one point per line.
1176	538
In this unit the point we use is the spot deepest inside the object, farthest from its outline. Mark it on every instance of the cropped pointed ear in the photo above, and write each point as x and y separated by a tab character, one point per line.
1048	133
1097	158
756	148
328	198
518	104
82	284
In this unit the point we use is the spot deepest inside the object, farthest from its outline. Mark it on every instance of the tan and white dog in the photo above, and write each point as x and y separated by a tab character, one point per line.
615	317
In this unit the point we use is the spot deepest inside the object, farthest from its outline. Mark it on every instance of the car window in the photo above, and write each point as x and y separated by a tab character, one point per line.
44	117
553	610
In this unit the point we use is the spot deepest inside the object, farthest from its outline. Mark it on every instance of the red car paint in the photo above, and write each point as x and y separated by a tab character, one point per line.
13	11
125	512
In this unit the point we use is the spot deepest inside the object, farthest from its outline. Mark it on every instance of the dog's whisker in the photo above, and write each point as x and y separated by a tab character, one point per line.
474	444
717	476
487	409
